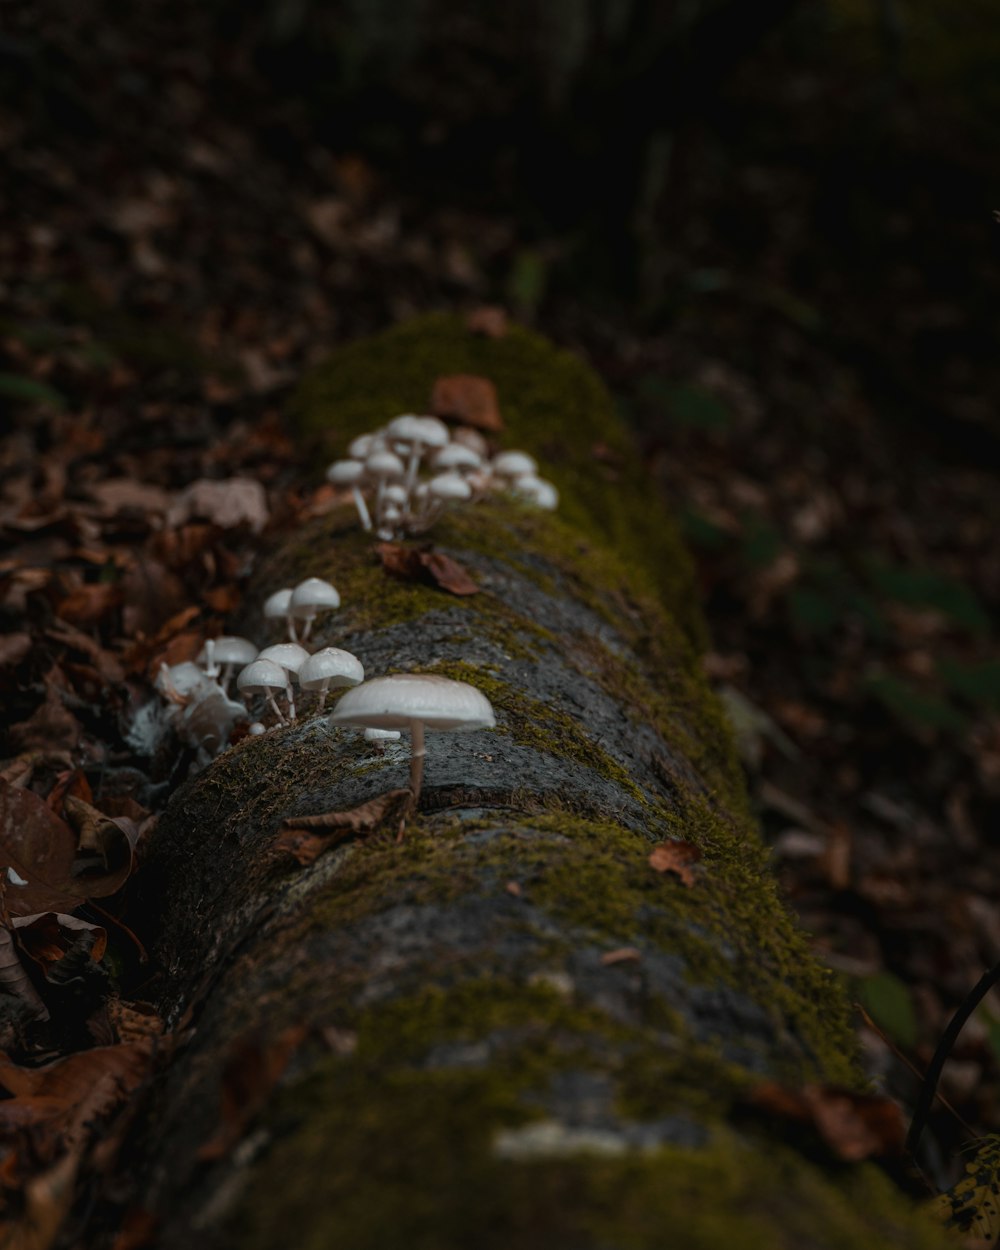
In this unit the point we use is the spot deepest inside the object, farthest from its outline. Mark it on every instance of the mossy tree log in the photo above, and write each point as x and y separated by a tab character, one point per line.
467	1065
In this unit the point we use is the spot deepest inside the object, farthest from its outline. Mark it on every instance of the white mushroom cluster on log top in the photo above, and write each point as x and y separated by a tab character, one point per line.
383	474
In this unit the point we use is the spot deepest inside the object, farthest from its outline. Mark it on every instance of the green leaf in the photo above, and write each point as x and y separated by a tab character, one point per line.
28	391
926	588
889	1003
913	707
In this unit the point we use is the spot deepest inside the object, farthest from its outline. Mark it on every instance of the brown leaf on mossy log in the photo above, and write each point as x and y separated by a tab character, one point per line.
676	858
854	1126
305	838
427	565
469	399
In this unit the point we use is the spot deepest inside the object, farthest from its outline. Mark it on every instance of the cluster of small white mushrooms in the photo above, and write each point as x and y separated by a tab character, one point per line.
383	473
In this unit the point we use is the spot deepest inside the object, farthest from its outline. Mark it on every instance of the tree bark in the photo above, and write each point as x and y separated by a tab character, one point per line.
509	1029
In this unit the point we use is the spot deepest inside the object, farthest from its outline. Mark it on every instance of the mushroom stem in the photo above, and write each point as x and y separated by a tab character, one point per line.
306	628
290	622
291	700
362	507
277	710
417	752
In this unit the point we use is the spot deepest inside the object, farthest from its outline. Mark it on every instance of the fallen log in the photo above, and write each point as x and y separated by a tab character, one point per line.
569	1008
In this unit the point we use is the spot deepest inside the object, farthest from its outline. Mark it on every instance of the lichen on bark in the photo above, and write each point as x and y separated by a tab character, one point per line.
540	1040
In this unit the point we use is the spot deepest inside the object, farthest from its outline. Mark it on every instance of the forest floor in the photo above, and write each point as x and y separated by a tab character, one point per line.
169	274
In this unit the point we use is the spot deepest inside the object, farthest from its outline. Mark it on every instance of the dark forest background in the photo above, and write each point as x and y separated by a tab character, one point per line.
769	225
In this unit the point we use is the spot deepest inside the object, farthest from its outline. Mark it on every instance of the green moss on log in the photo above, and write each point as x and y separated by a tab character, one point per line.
553	406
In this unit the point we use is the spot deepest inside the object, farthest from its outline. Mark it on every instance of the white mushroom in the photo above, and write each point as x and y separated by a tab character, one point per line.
331	667
350	473
537	491
311	597
415	702
229	651
413	436
511	464
289	657
265	677
382	467
277	606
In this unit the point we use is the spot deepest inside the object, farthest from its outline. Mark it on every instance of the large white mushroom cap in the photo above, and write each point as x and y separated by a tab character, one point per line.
537	491
329	668
394	702
455	456
384	464
312	596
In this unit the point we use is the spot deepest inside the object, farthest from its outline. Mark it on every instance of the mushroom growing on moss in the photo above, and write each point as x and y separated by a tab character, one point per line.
415	702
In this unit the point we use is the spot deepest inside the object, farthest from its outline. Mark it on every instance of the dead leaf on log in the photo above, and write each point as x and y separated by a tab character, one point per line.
676	858
14	980
854	1126
467	398
413	564
305	838
488	320
623	955
104	842
252	1070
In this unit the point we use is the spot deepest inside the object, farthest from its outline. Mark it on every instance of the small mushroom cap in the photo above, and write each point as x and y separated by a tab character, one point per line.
455	456
229	649
382	735
394	702
329	668
345	472
185	679
361	448
513	464
449	486
313	594
395	494
468	437
537	490
277	604
384	464
262	676
287	655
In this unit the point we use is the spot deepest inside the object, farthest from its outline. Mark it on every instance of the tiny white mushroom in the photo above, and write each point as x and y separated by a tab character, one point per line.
328	669
511	464
350	473
383	467
462	459
415	702
264	677
537	491
413	436
229	651
276	606
289	656
311	597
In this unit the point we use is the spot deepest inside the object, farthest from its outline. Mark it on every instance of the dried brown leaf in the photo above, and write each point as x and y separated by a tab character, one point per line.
41	849
14	980
306	837
14	647
488	320
623	955
467	398
252	1070
49	728
50	936
676	858
854	1126
90	603
413	564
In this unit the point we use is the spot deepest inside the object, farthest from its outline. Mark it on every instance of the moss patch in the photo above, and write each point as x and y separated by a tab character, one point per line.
554	407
